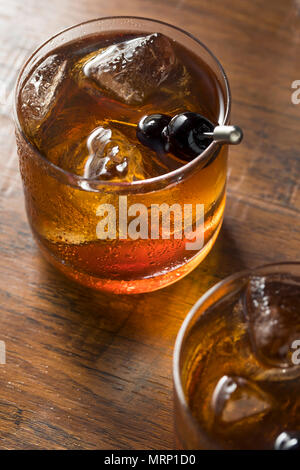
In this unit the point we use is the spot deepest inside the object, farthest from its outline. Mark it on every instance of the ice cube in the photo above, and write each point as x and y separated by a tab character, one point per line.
106	154
236	398
272	309
40	90
131	70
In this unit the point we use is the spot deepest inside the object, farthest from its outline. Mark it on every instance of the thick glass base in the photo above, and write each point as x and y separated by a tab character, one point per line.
136	286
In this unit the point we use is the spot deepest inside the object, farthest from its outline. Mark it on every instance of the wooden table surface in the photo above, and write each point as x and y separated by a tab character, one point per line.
85	370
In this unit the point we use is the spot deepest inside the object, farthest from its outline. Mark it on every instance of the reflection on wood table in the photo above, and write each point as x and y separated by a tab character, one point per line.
86	370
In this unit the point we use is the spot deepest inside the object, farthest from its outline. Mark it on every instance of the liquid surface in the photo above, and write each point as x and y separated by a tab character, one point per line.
244	384
81	104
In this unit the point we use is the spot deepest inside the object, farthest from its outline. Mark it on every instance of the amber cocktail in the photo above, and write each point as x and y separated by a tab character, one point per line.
237	364
105	209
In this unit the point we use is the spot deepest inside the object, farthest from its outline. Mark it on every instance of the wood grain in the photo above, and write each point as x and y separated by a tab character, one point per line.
86	370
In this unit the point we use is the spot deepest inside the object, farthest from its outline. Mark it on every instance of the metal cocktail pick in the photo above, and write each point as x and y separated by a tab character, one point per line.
232	135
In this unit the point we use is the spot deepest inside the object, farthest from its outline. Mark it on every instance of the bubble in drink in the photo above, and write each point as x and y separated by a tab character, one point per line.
132	70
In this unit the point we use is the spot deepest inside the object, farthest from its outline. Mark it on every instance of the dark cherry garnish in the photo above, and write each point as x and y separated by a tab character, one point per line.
150	131
288	441
185	135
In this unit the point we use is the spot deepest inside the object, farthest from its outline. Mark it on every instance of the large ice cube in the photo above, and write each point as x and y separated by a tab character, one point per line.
272	309
236	399
131	70
39	93
106	154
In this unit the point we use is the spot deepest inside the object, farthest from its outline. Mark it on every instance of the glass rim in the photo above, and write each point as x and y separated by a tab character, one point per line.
178	387
168	178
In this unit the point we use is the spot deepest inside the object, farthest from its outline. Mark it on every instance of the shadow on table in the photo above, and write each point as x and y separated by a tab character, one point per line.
117	314
115	352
